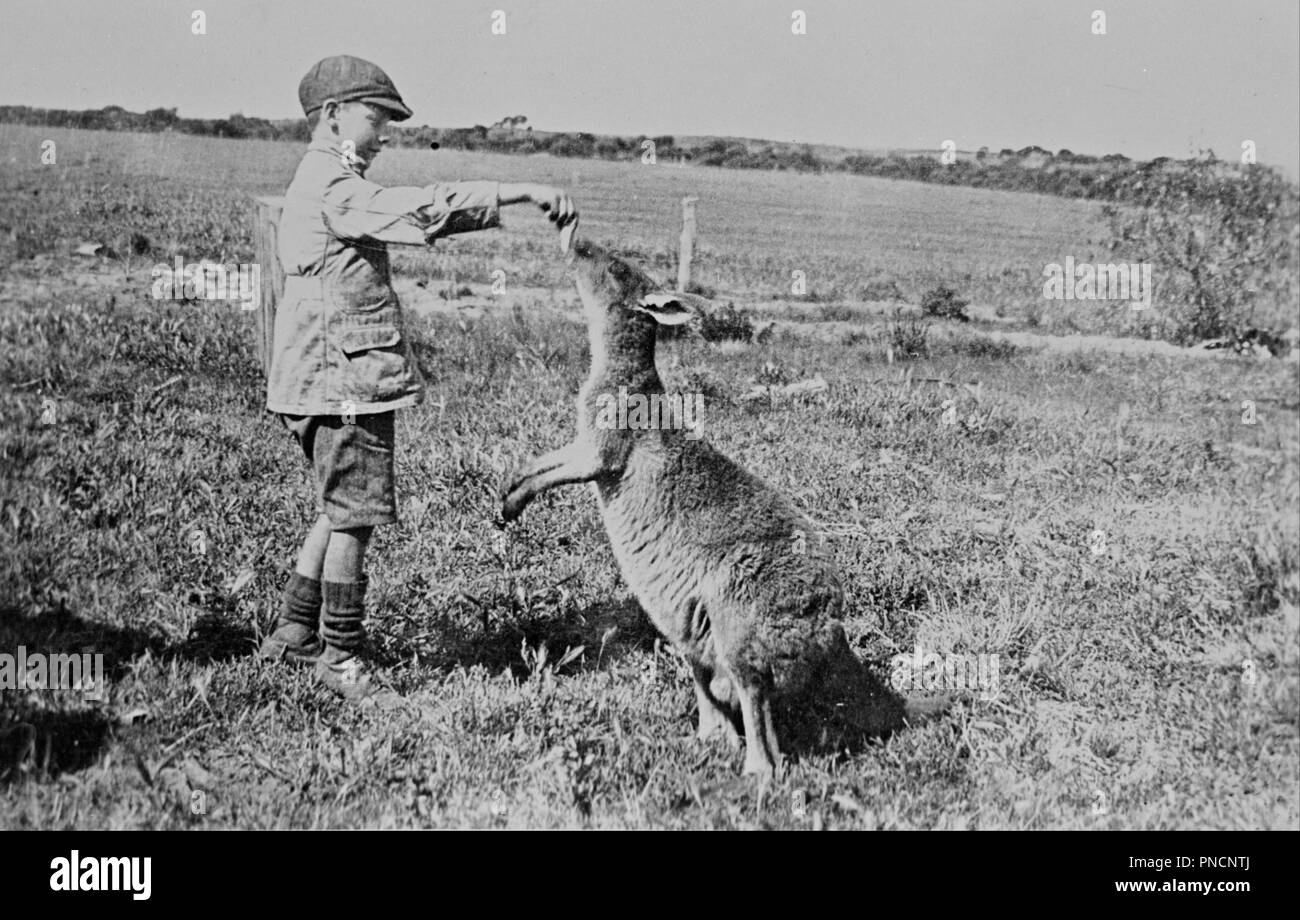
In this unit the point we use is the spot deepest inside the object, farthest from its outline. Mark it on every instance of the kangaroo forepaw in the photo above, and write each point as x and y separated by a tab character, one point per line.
513	505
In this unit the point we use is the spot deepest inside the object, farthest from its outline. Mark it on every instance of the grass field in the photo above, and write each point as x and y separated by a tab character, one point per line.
755	228
1150	677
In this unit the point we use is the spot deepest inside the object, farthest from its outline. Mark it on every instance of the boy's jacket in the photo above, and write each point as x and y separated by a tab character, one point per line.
338	344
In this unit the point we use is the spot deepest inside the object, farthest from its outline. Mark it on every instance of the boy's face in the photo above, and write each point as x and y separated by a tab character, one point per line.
363	124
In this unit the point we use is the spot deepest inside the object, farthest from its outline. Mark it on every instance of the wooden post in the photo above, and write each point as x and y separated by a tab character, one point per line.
266	225
687	244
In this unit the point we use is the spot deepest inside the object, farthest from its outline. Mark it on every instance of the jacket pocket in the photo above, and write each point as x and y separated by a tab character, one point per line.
372	363
354	340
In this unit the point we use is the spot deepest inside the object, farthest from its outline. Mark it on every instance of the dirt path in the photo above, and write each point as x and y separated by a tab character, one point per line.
797	319
88	278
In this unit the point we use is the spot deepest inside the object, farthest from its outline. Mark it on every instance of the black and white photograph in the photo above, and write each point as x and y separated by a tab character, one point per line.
597	415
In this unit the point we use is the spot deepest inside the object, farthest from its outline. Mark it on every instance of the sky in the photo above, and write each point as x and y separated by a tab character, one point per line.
1168	77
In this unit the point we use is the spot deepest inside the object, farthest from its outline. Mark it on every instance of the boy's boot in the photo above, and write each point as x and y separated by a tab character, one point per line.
294	638
343	628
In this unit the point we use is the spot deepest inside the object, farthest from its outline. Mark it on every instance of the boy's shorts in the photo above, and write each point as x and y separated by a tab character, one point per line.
352	466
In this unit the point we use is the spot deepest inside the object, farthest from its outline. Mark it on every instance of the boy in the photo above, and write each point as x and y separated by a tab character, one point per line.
340	365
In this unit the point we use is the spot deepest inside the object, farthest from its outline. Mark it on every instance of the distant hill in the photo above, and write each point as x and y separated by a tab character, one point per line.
1034	169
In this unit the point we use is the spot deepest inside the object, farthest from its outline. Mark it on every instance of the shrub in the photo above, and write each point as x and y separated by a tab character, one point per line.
944	303
568	145
1223	237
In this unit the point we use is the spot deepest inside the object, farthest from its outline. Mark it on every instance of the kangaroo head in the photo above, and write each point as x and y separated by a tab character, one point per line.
623	304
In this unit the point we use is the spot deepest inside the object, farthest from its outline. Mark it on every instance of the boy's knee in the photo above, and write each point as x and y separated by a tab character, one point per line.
360	534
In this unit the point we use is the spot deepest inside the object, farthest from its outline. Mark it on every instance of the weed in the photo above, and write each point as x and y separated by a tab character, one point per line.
727	323
907	337
838	312
886	289
983	347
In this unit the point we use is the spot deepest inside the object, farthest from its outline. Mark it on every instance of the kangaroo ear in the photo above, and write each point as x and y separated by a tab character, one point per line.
672	308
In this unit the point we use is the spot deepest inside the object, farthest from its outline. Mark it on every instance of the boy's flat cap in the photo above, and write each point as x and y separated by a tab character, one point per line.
350	79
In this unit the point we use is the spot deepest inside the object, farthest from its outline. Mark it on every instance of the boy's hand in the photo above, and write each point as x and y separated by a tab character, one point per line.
557	204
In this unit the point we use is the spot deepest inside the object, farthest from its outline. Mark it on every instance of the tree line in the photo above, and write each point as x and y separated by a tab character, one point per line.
1112	178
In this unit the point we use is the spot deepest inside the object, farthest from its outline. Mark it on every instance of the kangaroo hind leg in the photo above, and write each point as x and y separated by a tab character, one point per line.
762	751
715	717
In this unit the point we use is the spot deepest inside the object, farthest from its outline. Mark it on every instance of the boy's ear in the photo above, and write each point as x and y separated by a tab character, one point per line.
672	308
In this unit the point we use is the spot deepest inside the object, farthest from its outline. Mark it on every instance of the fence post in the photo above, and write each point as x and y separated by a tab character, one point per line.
687	243
266	225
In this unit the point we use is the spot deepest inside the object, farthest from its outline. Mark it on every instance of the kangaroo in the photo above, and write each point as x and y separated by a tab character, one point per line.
724	565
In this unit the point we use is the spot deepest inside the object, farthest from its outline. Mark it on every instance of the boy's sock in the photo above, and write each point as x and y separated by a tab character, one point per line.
301	601
342	624
343	629
294	637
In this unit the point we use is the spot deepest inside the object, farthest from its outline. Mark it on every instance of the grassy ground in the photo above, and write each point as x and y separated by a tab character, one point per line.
1149	679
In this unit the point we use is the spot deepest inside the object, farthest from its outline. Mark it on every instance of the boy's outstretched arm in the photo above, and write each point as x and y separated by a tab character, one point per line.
456	217
356	208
